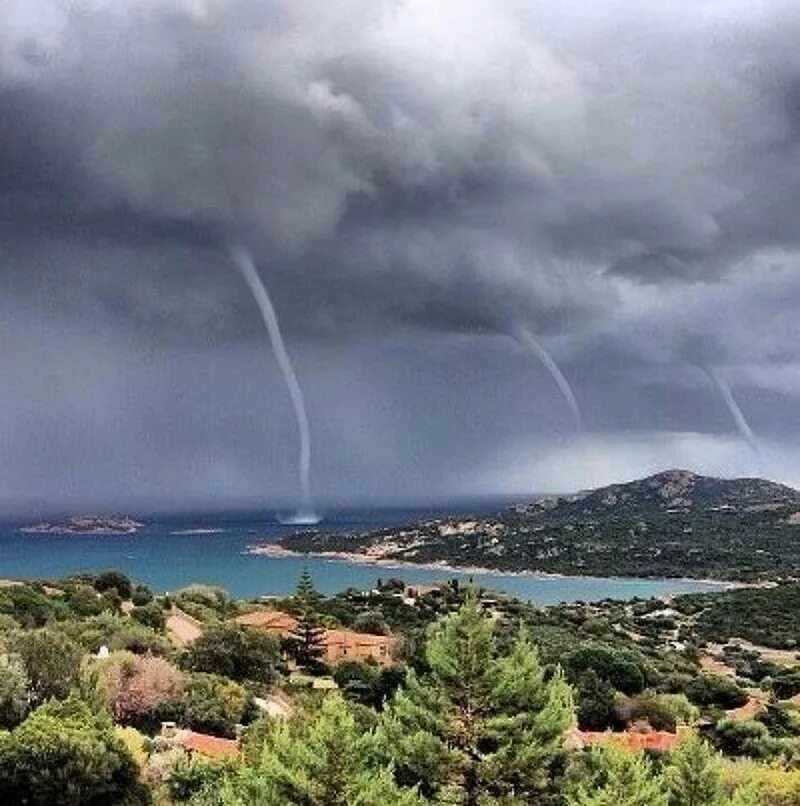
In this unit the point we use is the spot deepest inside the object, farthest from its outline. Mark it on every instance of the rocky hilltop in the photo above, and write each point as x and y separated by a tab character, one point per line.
674	523
88	525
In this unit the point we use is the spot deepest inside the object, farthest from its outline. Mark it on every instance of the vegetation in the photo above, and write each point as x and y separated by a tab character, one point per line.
238	653
306	640
479	703
741	529
63	753
766	616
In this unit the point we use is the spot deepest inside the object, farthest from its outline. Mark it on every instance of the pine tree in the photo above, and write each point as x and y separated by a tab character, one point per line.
322	763
307	639
618	778
694	774
476	728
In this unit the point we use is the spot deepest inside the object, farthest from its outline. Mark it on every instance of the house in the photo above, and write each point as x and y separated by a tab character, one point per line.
338	644
657	741
271	621
194	743
349	645
413	592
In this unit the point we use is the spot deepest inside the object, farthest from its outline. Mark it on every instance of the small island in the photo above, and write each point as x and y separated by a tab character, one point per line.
88	525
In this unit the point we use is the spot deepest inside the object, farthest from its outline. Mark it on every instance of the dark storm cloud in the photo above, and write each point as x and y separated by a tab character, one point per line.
453	166
620	177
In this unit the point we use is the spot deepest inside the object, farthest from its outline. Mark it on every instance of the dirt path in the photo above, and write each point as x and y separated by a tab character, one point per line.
183	628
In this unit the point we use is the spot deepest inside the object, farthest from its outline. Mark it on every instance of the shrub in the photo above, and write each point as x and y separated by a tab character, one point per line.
136	686
712	689
204	602
83	600
52	662
366	683
141	595
371	622
210	704
189	778
614	667
14	690
114	580
786	684
30	607
151	615
239	653
116	632
657	710
63	754
745	738
596	702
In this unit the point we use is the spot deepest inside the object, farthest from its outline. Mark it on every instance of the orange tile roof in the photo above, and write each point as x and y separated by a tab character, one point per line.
350	638
657	740
209	746
272	620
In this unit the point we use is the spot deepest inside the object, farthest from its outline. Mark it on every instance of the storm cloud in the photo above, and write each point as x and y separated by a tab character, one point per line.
410	177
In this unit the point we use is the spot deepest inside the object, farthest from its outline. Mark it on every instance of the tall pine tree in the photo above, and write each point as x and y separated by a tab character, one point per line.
322	762
694	774
307	639
477	728
617	777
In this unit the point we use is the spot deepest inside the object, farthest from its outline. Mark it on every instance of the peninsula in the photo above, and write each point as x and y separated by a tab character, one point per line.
672	524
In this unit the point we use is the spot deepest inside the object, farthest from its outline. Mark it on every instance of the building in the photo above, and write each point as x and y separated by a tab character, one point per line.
657	741
349	645
338	644
271	621
194	743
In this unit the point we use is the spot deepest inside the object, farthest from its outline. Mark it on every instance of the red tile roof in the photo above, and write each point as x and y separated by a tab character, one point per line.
657	740
270	620
210	746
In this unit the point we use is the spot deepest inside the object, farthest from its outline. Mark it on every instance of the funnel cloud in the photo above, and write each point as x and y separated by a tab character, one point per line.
305	512
742	426
526	338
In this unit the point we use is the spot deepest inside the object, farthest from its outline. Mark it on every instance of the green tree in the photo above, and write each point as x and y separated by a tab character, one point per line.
596	701
324	762
616	777
52	661
477	726
63	755
84	600
14	690
306	641
240	653
694	774
371	621
31	607
151	615
114	580
614	667
714	689
141	595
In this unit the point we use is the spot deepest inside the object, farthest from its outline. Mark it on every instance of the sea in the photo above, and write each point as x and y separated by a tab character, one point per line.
173	551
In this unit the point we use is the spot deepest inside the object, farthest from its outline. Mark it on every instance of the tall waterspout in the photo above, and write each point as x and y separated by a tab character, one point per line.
244	262
526	338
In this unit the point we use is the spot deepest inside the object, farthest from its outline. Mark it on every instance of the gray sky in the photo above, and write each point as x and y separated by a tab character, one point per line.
415	181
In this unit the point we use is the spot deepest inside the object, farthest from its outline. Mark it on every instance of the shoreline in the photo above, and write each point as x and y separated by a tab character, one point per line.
279	552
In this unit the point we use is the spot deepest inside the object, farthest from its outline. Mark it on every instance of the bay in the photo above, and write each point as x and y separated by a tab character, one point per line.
171	552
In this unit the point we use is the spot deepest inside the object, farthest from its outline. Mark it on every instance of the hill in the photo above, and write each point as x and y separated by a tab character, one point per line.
674	523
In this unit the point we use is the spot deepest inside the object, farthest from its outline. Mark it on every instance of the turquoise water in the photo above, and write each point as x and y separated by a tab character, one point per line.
167	560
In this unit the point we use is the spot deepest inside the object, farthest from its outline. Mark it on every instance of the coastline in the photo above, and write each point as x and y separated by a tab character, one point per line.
278	552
